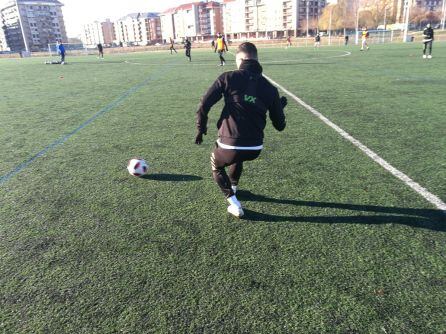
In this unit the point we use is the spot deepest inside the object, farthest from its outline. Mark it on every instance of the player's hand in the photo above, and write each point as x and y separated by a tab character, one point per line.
199	138
284	101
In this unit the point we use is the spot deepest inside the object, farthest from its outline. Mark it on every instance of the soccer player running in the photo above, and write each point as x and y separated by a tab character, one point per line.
364	38
100	51
248	98
428	38
61	52
172	46
221	47
188	47
317	41
288	41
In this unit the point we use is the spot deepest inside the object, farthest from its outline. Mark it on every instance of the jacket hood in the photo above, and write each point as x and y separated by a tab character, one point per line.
251	66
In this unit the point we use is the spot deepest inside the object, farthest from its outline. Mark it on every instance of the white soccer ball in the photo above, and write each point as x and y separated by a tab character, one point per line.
137	167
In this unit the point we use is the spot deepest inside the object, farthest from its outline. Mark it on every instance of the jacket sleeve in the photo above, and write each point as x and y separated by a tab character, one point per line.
276	113
212	96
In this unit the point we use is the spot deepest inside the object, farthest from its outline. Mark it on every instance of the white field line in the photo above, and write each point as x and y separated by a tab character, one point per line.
433	199
290	61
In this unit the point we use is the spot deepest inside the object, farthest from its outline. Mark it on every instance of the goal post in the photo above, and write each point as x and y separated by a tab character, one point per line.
74	49
377	36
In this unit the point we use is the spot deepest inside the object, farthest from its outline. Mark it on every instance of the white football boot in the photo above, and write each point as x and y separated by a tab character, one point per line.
429	57
424	56
236	211
235	208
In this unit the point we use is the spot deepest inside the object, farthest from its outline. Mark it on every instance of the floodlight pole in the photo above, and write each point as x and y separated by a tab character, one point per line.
357	26
406	20
443	19
307	14
329	27
385	23
21	26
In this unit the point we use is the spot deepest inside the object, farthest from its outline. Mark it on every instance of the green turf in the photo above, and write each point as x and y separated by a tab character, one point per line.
332	243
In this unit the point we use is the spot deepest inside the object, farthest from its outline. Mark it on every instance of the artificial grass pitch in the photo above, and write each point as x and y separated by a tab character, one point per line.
331	242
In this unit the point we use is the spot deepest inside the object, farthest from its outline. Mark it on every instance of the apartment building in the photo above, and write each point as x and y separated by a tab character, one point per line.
31	24
108	32
92	34
3	45
98	32
197	20
138	29
269	18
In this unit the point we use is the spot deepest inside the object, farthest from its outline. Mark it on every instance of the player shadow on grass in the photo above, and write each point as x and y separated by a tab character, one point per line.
172	177
423	218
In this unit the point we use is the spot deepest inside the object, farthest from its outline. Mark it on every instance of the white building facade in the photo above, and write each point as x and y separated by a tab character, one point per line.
138	29
269	18
198	20
92	34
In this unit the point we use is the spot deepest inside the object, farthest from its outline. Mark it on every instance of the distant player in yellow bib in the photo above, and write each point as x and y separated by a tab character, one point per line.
365	36
221	47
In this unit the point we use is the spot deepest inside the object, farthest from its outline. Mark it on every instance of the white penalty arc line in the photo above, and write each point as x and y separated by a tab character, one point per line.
289	61
433	199
345	54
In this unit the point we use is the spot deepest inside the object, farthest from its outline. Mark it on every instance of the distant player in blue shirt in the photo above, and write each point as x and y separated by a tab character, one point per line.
61	52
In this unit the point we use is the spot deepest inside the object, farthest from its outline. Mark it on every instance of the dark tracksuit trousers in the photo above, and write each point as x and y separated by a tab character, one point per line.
427	46
221	158
220	54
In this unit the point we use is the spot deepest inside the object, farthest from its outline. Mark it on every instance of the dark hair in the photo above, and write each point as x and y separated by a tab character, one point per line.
249	49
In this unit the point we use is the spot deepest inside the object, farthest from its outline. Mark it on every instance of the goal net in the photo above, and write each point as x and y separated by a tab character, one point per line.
377	36
71	49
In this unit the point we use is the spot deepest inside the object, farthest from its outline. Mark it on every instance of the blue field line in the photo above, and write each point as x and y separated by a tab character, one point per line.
6	177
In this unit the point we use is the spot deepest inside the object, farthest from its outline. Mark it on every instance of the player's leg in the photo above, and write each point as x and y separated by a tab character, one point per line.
430	49
222	59
220	158
424	49
236	169
235	172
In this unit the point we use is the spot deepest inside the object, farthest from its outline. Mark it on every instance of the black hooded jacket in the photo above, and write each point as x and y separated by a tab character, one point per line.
248	98
428	34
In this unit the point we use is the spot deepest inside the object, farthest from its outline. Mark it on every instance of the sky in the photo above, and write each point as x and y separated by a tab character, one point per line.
78	12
